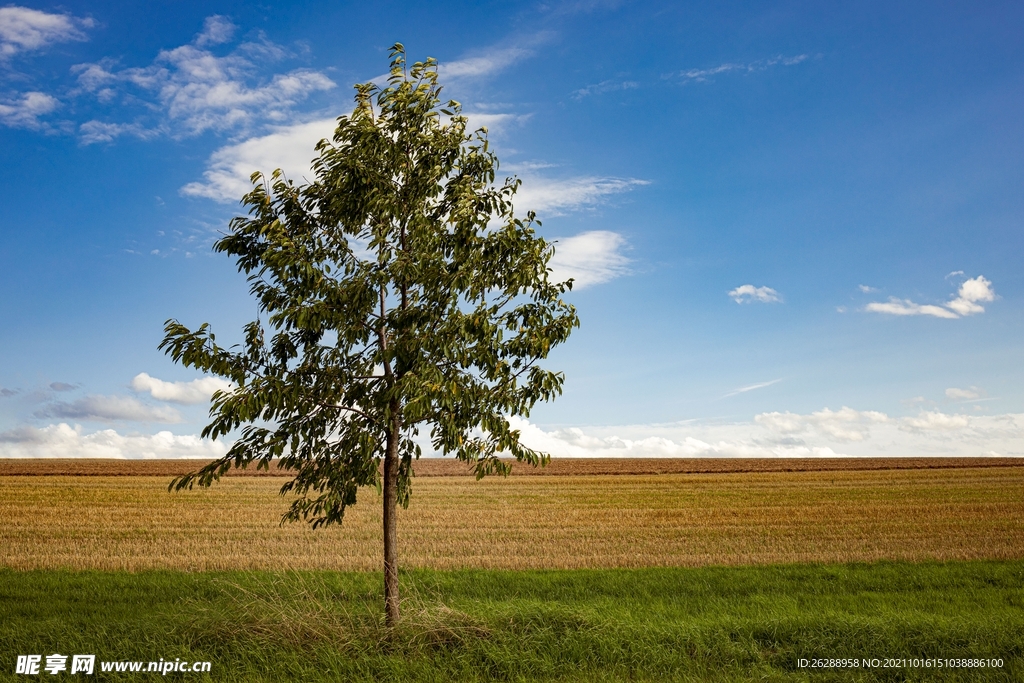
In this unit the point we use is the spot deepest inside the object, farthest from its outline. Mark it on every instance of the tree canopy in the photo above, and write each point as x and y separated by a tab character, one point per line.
398	295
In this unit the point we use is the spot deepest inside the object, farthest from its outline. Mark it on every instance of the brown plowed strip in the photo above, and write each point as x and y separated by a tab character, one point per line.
448	467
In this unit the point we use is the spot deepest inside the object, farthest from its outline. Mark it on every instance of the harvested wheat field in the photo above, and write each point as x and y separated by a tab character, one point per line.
556	521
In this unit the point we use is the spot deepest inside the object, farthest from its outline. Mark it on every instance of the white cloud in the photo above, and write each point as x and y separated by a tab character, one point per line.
25	111
110	409
745	294
751	387
825	433
845	424
963	394
198	90
589	258
929	432
971	292
782	435
866	289
658	441
64	441
23	29
289	148
705	75
934	421
189	393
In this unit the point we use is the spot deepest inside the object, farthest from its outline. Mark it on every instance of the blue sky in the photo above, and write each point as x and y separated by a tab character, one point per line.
796	228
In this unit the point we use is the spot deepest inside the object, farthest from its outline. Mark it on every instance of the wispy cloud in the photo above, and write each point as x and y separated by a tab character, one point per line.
92	132
603	87
217	29
554	196
23	29
198	91
109	409
967	302
495	123
751	387
484	62
573	7
903	307
745	294
589	258
487	63
708	74
692	75
188	393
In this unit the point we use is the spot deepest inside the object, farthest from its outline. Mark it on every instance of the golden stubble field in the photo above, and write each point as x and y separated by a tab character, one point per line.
558	521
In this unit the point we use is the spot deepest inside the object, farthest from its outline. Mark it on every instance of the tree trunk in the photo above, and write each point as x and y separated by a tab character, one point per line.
391	529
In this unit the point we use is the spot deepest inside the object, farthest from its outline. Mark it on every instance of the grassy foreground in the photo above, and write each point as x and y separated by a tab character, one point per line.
654	624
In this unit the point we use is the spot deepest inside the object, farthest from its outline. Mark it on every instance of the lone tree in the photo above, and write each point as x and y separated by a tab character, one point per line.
397	292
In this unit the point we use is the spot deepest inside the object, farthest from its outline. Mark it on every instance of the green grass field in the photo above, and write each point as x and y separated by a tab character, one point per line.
654	624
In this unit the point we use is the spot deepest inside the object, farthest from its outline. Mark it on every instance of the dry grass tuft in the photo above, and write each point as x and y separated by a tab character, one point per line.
298	610
294	609
435	626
